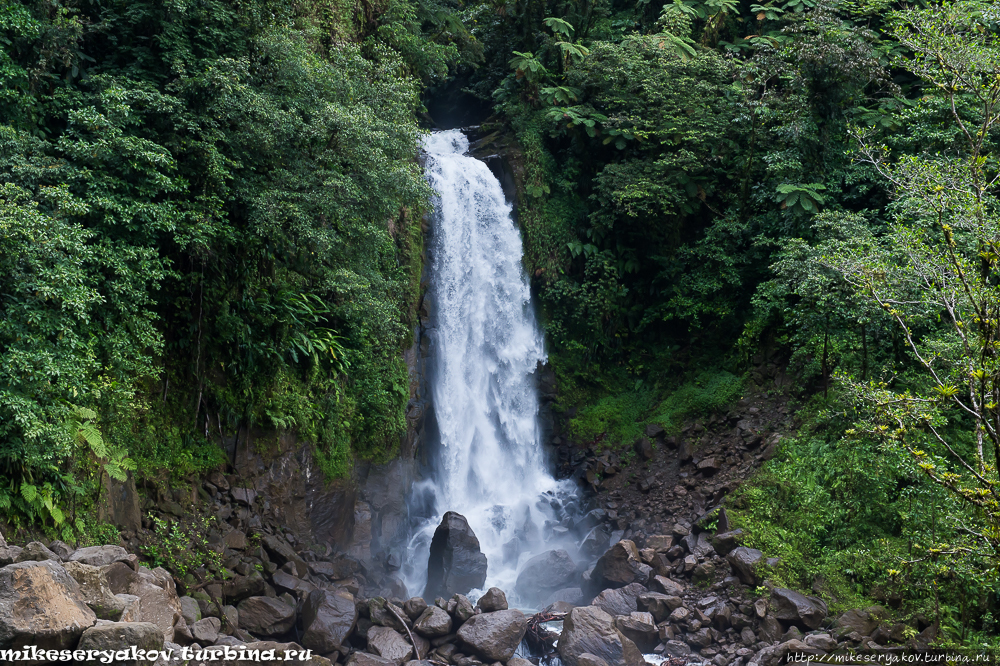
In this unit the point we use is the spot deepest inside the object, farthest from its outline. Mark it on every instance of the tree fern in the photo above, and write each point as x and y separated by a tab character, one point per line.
85	432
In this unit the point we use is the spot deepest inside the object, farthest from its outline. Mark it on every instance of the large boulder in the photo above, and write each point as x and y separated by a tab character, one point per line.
433	622
206	631
494	636
667	586
493	600
620	601
99	556
389	644
114	636
263	616
365	659
7	554
240	587
120	576
619	566
862	621
96	590
36	551
41	604
658	604
544	574
281	553
588	629
744	562
725	542
190	610
156	602
456	564
328	618
798	609
640	628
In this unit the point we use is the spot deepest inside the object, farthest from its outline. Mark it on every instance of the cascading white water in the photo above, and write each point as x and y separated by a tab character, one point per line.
486	346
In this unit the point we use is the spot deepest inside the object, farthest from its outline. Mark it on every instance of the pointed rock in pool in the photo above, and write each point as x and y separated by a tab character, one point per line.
456	564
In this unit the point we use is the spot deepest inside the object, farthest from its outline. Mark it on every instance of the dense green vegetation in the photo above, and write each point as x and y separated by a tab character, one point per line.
713	187
209	222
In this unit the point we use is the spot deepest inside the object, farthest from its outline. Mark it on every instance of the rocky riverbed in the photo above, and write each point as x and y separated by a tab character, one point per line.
690	595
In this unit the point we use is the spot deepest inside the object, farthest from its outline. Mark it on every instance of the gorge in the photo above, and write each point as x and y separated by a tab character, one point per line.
683	349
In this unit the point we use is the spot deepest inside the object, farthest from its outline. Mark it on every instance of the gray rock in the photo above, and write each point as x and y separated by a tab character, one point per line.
242	587
701	638
460	608
190	610
119	504
640	628
414	607
10	555
667	586
365	659
456	564
798	609
96	590
493	600
36	551
235	539
518	661
284	582
619	566
494	636
120	577
658	604
824	642
546	573
264	616
389	644
157	602
433	623
770	629
621	601
862	621
230	618
206	631
387	614
41	604
231	641
587	659
115	636
328	618
569	595
744	562
7	556
281	553
725	542
98	556
675	648
244	496
588	629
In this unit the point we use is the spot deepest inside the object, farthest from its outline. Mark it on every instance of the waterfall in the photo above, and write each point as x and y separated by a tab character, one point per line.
485	348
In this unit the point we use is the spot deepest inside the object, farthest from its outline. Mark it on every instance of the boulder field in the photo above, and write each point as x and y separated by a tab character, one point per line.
690	595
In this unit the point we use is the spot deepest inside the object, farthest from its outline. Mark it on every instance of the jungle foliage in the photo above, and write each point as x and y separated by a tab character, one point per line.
719	186
209	222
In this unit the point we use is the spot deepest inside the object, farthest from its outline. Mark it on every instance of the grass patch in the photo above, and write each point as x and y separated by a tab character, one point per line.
615	420
709	391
